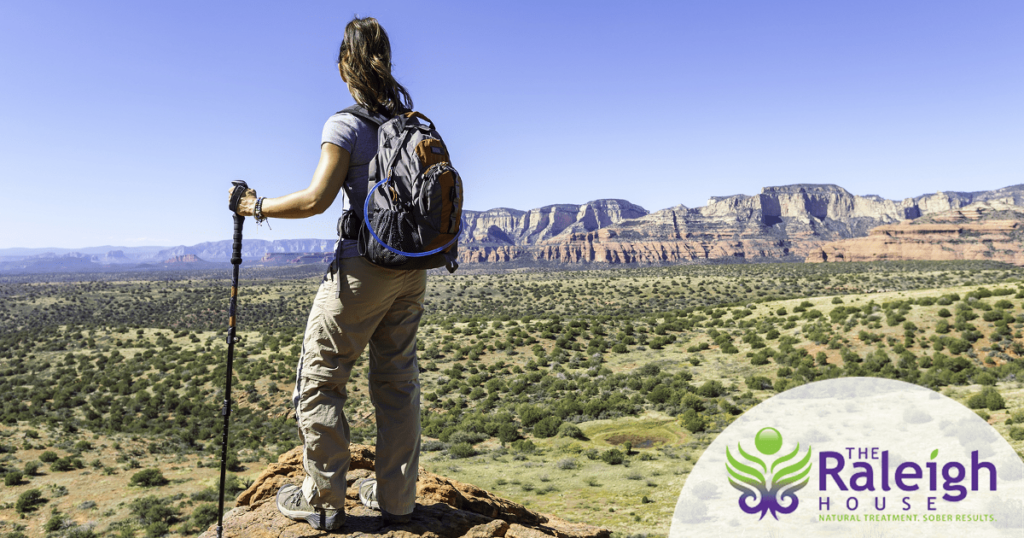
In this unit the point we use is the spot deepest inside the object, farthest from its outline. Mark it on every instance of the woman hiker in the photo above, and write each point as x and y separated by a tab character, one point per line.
357	303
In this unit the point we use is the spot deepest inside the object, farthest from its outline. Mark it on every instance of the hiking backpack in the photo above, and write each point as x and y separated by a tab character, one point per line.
412	216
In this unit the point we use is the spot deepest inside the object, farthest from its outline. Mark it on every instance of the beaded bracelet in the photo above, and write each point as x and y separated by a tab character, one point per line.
258	212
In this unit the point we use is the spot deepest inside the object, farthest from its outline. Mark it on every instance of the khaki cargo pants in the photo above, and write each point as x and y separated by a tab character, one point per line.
381	307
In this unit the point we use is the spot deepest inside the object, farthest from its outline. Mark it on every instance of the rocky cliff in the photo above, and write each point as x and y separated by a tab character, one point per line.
503	226
115	256
444	509
989	230
787	222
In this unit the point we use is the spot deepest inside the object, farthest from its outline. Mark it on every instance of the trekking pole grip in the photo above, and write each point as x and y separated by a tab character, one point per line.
236	243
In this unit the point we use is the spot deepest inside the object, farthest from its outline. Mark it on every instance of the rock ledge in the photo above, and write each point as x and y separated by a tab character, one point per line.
444	509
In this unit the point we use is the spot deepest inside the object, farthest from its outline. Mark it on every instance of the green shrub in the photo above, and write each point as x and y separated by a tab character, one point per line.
1017	433
711	389
547	427
571	430
204	515
994	401
32	467
612	456
157	529
992	315
148	478
985	378
67	463
56	522
508	433
692	401
758	382
28	501
48	457
152	509
462	450
524	446
467	437
693	421
12	478
957	346
659	394
531	414
233	463
987	398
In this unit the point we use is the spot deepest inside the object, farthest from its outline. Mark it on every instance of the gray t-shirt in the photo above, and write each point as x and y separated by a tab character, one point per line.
359	138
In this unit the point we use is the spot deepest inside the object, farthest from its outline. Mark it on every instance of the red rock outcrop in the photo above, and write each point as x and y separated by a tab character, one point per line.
606	246
444	509
505	226
779	223
984	231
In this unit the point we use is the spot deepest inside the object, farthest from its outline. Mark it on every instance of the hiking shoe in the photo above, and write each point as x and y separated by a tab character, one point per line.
293	504
368	496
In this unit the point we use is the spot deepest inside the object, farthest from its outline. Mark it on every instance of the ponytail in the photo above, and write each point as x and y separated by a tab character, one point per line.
365	60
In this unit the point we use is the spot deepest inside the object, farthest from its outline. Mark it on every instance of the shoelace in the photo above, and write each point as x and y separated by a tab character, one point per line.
295	497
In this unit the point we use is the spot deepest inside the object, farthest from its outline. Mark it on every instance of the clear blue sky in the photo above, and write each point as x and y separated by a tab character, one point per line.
123	123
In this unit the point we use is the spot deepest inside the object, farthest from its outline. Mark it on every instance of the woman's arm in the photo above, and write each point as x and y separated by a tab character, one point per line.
313	200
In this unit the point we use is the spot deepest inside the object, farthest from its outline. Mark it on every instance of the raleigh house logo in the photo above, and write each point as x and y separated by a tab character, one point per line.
768	488
854	457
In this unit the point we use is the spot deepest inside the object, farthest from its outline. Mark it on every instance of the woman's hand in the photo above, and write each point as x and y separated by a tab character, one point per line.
247	204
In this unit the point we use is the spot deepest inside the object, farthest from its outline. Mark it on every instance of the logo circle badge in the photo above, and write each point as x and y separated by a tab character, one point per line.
855	457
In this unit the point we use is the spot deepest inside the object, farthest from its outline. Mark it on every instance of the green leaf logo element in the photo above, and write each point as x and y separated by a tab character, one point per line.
788	475
741	468
935	453
763	488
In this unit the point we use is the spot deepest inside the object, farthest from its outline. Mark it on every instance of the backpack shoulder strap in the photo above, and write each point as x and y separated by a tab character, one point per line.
360	112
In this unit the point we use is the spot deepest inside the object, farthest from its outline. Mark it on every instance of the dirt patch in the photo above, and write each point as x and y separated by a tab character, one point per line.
638	441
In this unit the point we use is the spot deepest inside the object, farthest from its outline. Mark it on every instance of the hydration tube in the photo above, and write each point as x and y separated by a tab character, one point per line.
366	219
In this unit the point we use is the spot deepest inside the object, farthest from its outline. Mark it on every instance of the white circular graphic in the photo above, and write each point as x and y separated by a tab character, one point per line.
861	457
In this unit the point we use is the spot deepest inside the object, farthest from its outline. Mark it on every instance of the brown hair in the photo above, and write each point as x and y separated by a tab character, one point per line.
365	60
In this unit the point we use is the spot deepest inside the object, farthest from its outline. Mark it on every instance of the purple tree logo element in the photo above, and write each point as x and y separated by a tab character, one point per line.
765	489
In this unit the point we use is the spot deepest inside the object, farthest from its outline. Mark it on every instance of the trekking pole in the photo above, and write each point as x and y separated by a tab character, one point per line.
225	410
